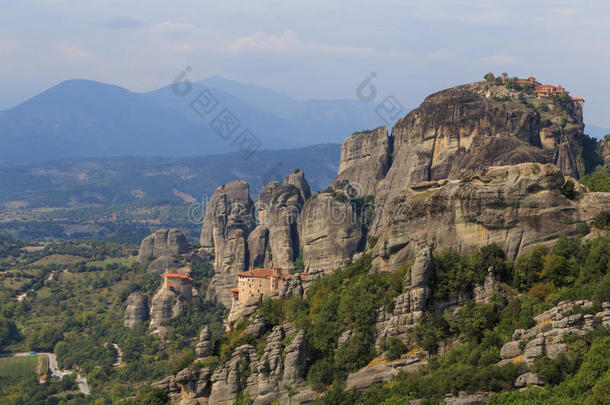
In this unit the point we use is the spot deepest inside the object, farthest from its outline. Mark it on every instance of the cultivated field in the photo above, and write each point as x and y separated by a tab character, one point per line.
22	365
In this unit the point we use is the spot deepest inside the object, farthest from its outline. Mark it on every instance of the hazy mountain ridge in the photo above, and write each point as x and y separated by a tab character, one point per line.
85	119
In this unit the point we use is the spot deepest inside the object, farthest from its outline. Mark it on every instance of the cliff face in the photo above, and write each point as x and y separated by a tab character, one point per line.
472	166
229	230
330	231
136	311
365	160
274	375
465	129
162	243
228	220
515	207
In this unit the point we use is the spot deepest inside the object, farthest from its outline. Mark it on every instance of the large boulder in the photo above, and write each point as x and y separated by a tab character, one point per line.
164	242
136	311
365	160
204	347
367	376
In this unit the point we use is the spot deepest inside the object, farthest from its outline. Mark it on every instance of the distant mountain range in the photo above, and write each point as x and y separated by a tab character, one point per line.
596	132
124	180
83	119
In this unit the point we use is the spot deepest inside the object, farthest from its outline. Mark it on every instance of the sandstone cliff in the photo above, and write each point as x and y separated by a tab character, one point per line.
164	242
136	311
468	128
365	160
274	375
330	230
515	207
228	220
297	179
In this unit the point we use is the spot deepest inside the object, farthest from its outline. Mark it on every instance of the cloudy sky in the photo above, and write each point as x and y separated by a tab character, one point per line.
307	49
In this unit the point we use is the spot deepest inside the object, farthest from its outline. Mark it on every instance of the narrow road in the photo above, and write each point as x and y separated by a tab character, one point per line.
82	385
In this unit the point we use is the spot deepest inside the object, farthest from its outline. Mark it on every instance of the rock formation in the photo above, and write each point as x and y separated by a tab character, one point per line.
264	378
136	311
204	347
468	128
515	207
330	231
191	382
258	247
409	307
170	299
164	242
365	160
163	263
545	338
297	179
296	361
281	219
473	165
229	230
166	304
228	220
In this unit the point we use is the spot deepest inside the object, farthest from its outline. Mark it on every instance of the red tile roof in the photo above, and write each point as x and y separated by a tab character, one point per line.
267	273
176	275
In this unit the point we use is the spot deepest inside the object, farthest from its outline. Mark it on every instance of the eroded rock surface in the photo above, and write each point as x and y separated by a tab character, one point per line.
164	242
204	347
545	338
365	160
516	207
330	231
297	179
228	220
136	311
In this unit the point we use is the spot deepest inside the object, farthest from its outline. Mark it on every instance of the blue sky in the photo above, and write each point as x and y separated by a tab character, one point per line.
307	49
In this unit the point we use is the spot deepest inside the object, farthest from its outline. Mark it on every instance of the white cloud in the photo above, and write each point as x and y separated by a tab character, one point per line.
124	22
173	27
288	42
73	52
565	11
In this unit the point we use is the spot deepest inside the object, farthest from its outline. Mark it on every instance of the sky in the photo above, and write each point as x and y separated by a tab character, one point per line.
314	49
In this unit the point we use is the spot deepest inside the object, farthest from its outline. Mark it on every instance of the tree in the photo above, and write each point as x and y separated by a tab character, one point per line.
528	267
489	77
602	220
394	348
568	190
152	396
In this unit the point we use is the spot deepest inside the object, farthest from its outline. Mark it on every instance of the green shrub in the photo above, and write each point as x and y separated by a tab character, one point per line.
602	220
548	370
569	190
598	180
393	348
